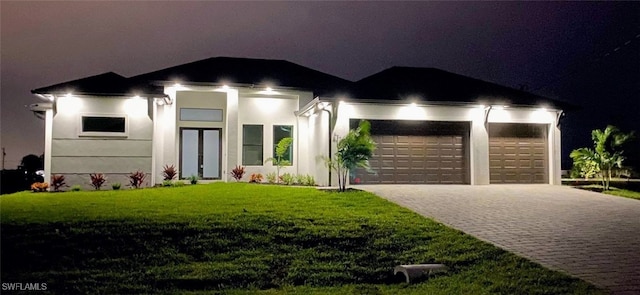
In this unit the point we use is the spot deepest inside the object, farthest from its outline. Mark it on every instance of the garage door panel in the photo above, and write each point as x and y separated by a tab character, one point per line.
427	152
518	153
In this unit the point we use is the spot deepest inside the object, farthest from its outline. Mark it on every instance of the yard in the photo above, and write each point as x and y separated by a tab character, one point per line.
244	238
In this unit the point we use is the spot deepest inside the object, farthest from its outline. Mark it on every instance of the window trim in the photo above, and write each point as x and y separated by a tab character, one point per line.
275	143
82	133
261	145
201	109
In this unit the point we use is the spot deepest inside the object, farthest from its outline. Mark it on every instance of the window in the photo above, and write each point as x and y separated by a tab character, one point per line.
205	115
252	144
280	132
103	126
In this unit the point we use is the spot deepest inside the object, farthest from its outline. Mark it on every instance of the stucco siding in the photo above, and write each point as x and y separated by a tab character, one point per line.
478	116
101	164
268	112
101	147
318	138
76	155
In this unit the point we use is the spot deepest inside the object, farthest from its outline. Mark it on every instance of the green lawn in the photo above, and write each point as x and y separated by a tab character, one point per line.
624	193
613	191
242	238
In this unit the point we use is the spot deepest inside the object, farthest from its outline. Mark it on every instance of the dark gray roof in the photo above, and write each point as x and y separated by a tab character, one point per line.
108	83
393	84
249	71
435	85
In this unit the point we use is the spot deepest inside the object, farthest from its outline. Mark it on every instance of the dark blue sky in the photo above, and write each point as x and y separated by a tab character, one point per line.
574	51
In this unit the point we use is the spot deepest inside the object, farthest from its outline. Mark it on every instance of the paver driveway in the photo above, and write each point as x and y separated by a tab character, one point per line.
592	236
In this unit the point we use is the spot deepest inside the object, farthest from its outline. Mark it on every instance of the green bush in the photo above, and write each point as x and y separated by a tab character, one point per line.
271	177
167	183
193	179
178	184
116	186
76	188
307	180
288	179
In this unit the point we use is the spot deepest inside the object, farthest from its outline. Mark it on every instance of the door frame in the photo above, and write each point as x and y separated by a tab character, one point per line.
201	152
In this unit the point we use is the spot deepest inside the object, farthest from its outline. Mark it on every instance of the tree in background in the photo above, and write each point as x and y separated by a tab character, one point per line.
354	150
32	163
606	154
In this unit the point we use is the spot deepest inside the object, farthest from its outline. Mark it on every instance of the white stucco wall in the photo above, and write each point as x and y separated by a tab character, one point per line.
268	112
76	155
168	124
318	140
475	115
241	105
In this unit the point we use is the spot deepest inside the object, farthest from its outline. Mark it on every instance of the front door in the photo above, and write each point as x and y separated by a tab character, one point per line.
200	153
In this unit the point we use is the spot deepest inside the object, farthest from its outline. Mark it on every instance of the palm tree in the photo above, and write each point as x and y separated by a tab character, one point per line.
607	152
354	150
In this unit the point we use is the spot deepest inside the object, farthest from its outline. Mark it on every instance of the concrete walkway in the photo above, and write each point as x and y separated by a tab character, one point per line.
591	236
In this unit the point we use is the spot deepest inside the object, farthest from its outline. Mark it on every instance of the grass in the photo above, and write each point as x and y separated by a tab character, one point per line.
624	193
612	191
239	238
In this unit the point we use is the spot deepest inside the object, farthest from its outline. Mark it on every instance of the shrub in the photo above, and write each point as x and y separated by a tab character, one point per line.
311	181
281	150
178	184
116	186
354	150
255	178
237	173
271	177
136	179
288	179
306	180
167	183
193	179
57	182
169	172
38	187
76	188
97	180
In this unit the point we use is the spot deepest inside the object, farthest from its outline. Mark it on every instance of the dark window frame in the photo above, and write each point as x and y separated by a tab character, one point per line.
98	125
275	142
244	144
200	153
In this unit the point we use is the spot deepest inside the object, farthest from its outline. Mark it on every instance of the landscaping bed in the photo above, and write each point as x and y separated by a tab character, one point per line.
239	238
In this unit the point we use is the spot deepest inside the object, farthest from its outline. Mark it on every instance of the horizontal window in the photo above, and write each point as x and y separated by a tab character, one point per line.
103	125
204	115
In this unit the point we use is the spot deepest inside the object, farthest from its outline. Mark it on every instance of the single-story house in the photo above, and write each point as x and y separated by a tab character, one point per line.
206	117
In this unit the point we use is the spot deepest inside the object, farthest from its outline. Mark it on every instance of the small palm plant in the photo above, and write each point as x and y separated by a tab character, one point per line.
279	160
606	155
354	151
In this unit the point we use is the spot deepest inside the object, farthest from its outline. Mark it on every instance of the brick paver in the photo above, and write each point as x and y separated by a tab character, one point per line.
591	236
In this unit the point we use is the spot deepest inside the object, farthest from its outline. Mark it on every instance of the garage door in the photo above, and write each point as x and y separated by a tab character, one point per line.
417	152
518	153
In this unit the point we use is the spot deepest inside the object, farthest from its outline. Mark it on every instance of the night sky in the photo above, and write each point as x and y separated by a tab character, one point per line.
584	53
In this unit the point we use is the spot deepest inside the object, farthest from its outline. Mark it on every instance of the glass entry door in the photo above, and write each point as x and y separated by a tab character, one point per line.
200	153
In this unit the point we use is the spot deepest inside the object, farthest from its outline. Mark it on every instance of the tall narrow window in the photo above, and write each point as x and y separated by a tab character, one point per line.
280	132
252	145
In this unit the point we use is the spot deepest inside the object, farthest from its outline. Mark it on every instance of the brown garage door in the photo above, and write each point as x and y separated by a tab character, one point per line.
518	153
418	152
